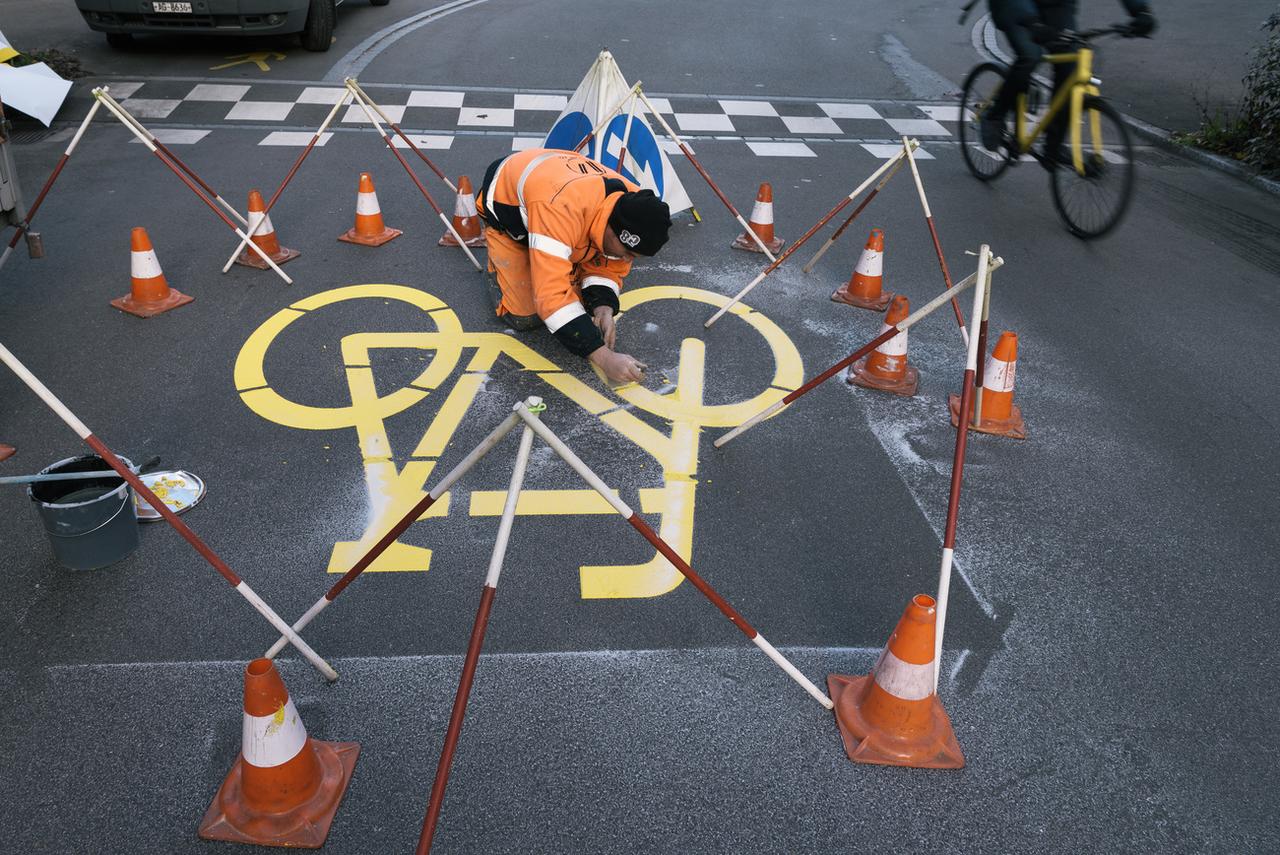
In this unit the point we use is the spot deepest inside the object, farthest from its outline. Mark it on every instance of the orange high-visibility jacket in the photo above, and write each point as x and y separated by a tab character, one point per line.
557	203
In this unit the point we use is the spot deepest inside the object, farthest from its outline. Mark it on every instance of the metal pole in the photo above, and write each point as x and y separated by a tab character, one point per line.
131	119
476	642
354	84
194	189
937	247
386	138
547	436
63	412
804	238
905	324
48	184
957	461
315	138
706	177
414	513
808	267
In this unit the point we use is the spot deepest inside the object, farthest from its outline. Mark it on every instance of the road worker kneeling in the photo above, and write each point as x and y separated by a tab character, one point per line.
562	233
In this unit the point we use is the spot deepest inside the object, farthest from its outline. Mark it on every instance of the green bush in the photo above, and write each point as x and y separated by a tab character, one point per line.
1261	108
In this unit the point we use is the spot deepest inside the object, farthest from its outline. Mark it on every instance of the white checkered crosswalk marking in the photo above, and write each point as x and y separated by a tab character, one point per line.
849	111
780	149
748	108
260	111
151	108
918	127
810	125
356	113
420	98
704	122
216	92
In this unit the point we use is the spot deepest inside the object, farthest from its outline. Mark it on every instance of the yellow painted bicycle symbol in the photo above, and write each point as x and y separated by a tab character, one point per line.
394	489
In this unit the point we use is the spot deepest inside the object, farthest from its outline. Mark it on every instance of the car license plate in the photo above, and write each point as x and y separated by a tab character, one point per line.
171	7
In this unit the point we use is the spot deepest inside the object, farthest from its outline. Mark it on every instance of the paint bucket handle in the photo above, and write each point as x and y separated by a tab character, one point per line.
128	497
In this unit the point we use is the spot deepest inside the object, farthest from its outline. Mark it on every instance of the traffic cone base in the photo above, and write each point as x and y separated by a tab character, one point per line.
744	242
151	308
305	826
875	304
378	239
865	744
447	240
249	258
1012	427
905	386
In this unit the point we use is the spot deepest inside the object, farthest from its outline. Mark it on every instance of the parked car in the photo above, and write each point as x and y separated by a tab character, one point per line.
121	19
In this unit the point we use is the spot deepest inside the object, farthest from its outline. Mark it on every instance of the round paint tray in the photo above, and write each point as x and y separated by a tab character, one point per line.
177	488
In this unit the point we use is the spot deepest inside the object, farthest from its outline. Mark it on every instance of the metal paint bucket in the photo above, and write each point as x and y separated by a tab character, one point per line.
91	522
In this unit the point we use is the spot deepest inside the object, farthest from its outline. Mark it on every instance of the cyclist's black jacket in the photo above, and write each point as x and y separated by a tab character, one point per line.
1023	11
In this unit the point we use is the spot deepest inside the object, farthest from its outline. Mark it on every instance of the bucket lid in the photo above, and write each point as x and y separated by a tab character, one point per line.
178	489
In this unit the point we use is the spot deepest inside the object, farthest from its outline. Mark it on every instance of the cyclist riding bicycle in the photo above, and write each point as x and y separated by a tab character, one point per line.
1029	25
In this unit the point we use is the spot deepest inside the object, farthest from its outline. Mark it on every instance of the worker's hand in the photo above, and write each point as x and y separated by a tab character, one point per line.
603	318
618	367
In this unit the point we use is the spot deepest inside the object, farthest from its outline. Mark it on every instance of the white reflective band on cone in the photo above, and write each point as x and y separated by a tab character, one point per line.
367	203
902	679
256	217
465	207
998	376
272	740
145	265
896	346
762	213
870	264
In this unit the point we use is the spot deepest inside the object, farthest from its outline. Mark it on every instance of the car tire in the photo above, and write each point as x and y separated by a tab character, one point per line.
120	41
379	2
317	32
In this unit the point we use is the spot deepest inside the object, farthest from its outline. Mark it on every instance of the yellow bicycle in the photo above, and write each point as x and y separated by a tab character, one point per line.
1092	176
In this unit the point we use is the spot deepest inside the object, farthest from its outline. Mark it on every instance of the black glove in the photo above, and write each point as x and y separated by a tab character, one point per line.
1141	25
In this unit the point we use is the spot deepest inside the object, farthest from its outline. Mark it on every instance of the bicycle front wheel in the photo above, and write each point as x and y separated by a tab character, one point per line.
980	89
1093	199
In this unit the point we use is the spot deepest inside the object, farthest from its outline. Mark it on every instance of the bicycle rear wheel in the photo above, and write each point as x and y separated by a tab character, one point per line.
1092	202
980	89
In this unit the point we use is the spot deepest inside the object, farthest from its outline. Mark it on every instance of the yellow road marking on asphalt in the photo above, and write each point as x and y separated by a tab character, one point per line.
258	58
393	489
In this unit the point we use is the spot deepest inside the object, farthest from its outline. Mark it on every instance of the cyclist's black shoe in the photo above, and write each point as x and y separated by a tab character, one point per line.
992	133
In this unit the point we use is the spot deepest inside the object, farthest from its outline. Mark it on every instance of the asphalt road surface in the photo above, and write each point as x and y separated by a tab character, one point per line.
1107	647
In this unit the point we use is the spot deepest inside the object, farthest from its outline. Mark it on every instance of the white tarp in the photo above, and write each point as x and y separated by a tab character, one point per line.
36	90
646	164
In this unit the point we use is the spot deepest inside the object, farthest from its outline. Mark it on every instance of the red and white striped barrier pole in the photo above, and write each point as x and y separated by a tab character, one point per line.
937	247
705	176
213	194
354	86
805	237
48	184
985	265
448	224
546	435
477	638
315	138
808	267
903	326
413	514
241	586
106	102
591	134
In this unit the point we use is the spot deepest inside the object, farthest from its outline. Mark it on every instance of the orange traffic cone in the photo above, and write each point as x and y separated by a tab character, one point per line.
285	786
466	222
761	222
892	716
886	368
369	229
264	237
1000	415
863	290
149	292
